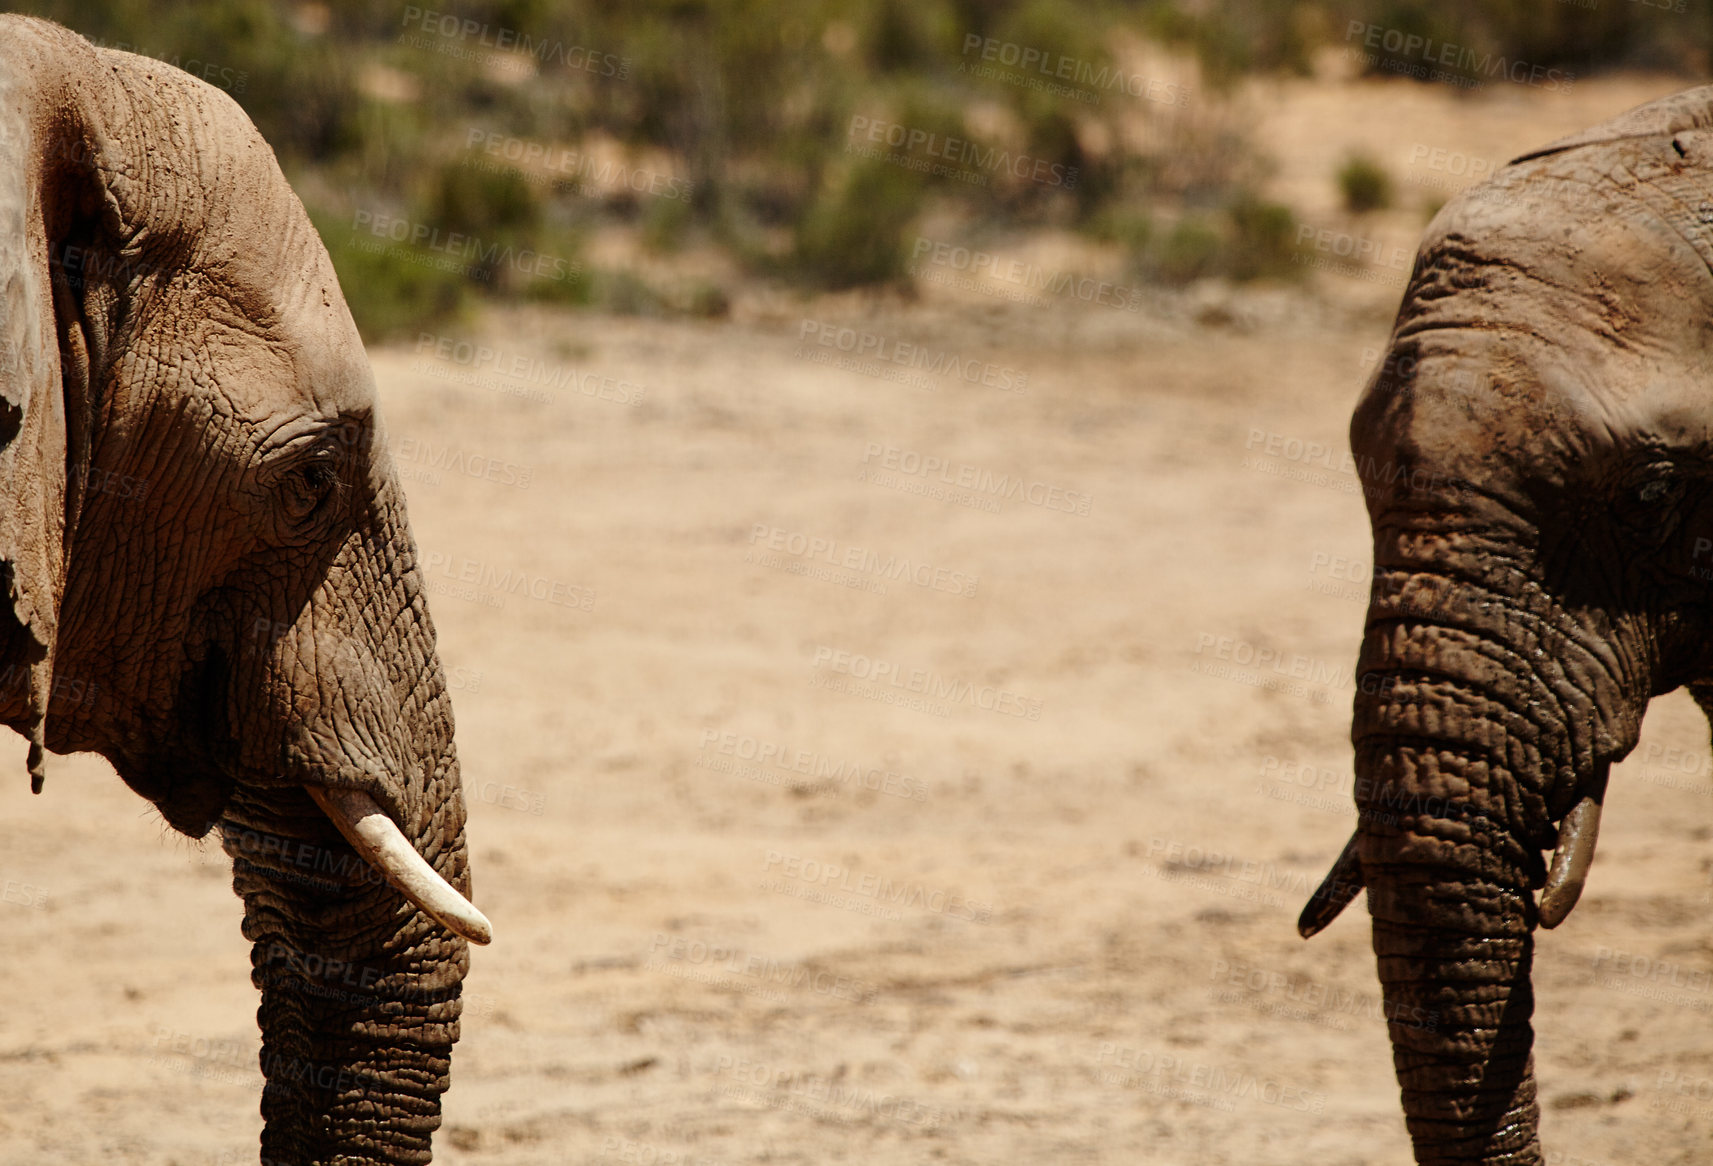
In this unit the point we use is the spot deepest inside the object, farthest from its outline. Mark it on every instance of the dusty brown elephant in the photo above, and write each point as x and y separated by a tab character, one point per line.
1537	456
209	577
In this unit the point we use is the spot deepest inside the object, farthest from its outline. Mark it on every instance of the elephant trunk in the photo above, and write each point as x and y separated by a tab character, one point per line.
361	992
1453	937
1480	721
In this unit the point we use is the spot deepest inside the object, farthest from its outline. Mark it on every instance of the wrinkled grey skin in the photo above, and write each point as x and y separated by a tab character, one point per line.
210	578
1537	454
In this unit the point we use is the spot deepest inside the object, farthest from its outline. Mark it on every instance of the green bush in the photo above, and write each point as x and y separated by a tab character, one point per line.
1364	185
753	101
1193	250
855	233
665	222
1231	38
390	288
1248	239
497	203
1131	229
1263	240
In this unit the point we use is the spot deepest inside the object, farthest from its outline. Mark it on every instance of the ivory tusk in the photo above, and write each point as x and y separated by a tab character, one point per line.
1335	891
1570	861
383	845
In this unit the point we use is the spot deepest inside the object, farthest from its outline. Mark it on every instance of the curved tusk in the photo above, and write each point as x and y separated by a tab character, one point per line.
384	846
1335	891
1570	862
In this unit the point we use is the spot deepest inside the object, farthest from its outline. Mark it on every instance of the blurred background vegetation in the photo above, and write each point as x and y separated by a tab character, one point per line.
726	127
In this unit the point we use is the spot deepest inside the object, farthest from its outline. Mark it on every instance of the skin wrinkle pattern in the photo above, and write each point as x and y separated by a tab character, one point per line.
1576	283
254	623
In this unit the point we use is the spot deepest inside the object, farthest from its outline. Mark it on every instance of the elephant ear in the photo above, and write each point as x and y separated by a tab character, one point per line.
48	195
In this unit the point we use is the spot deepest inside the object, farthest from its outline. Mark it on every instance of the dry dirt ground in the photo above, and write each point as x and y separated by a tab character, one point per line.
760	898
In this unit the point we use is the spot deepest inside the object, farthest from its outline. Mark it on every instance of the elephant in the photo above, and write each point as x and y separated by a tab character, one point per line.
209	575
1536	457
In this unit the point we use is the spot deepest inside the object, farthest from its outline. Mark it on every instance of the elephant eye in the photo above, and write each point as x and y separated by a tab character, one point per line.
1652	508
306	486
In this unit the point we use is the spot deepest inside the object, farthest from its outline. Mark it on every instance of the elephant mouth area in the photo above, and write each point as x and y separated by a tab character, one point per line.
184	769
191	797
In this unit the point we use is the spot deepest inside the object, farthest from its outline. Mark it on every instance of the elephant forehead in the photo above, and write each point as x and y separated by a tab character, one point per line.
1544	327
1545	255
251	284
1515	412
268	381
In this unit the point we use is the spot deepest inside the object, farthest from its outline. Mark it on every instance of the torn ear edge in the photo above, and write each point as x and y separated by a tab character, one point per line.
33	468
47	191
24	648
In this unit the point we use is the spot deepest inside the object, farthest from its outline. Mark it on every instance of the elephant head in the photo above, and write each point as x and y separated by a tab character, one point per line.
209	578
1537	457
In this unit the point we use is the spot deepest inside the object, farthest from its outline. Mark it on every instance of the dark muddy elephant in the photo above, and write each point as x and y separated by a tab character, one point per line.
209	578
1537	456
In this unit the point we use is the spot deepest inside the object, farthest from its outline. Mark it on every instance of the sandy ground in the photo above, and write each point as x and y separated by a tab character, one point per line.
757	900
